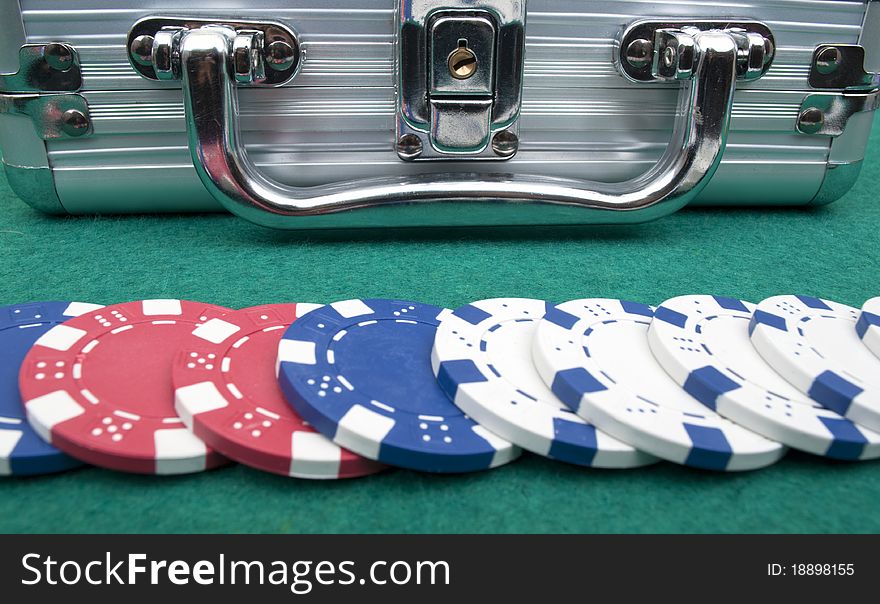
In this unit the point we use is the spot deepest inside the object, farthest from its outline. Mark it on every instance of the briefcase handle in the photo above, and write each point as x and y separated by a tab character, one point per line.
208	62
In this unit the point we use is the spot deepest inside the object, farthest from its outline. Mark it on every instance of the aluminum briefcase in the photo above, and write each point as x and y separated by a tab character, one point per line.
307	114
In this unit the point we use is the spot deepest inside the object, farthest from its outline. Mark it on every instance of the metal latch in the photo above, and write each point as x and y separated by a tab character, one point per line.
460	69
44	89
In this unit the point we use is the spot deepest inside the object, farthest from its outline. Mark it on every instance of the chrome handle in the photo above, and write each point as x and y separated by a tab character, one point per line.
707	64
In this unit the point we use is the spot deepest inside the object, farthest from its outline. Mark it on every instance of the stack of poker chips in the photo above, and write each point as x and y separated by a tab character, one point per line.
354	387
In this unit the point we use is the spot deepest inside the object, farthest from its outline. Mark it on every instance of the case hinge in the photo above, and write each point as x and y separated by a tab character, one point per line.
54	115
44	89
52	67
841	67
827	113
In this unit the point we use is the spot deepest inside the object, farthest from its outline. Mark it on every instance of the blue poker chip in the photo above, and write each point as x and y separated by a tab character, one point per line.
22	452
359	371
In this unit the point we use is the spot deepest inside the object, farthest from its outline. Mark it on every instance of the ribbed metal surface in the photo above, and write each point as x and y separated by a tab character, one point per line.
580	117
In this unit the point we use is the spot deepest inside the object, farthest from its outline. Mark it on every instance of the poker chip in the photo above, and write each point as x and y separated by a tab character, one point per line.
482	358
594	355
868	325
813	344
360	372
703	343
99	387
227	393
22	451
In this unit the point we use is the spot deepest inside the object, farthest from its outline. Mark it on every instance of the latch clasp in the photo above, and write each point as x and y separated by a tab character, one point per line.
462	82
459	78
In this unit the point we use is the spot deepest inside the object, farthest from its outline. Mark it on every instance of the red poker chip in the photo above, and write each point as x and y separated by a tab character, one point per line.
226	391
99	388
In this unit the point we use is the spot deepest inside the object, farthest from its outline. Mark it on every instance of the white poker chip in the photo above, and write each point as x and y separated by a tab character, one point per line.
482	358
813	344
594	355
868	325
703	343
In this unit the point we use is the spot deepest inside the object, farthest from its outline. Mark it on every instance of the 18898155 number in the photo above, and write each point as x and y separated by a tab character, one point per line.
842	569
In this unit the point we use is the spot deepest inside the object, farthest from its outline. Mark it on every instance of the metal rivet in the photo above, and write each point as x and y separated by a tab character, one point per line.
669	56
462	63
828	60
639	54
280	55
141	50
811	120
409	147
505	143
58	56
74	122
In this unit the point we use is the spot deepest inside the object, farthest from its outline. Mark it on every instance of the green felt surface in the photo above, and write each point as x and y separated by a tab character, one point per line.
750	253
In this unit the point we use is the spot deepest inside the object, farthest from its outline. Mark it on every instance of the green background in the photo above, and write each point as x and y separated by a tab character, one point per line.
750	253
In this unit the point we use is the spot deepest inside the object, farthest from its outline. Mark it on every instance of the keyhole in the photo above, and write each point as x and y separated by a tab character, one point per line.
462	62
